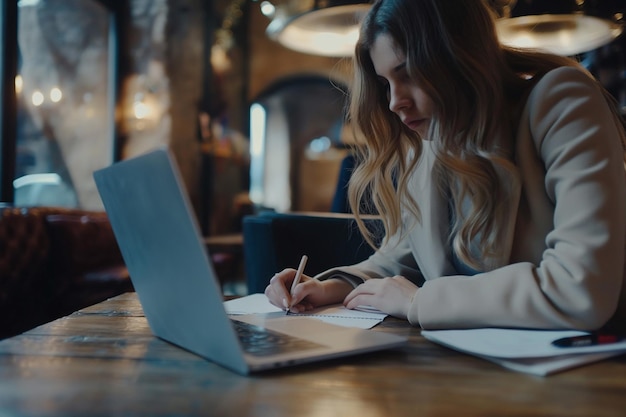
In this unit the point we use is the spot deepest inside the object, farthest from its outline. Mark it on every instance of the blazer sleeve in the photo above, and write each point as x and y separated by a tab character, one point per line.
578	280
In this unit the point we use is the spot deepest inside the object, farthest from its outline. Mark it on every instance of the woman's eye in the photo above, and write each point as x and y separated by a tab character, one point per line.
403	75
384	84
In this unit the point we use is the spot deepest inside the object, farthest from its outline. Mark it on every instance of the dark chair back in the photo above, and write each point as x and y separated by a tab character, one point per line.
275	241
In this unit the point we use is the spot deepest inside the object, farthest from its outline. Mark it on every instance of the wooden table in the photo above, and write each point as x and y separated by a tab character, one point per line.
103	361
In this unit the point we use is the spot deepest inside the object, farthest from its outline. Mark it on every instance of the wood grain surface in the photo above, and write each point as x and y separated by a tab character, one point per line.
104	361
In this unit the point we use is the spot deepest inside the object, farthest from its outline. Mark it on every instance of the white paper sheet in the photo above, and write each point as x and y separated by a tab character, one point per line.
552	364
529	351
513	343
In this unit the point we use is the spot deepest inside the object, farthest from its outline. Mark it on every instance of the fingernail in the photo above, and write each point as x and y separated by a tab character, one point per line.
285	304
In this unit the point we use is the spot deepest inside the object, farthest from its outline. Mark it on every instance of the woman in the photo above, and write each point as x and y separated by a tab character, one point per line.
498	174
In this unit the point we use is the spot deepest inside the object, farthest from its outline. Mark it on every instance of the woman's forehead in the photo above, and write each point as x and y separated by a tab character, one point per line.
385	55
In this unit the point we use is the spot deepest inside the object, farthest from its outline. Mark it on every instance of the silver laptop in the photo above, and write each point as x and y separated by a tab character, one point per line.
171	271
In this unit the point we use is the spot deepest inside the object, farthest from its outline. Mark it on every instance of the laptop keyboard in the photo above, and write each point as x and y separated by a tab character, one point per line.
259	341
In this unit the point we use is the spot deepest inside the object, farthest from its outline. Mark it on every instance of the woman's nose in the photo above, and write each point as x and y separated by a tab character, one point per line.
398	99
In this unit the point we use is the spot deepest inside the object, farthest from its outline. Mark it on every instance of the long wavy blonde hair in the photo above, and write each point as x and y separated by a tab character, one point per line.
477	87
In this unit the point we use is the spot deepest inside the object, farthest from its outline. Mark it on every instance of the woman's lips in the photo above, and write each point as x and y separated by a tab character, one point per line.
413	124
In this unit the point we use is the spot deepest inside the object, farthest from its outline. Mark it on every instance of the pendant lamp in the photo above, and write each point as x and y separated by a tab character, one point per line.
326	28
563	27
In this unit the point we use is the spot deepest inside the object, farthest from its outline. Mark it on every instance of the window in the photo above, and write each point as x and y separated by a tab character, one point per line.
65	89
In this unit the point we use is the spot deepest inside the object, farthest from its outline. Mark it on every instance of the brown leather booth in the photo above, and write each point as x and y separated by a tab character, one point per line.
54	261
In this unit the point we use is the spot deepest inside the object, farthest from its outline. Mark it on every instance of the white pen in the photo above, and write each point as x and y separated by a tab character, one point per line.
298	277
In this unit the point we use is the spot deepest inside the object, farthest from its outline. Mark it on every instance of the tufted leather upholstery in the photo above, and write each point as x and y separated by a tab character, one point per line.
54	261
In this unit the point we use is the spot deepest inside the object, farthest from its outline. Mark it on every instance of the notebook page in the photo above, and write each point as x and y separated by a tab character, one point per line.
364	318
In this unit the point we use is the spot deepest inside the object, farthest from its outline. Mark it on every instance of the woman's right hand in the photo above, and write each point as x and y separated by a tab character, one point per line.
308	294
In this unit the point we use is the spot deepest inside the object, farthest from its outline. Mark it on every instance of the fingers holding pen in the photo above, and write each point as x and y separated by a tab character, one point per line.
278	291
302	293
293	291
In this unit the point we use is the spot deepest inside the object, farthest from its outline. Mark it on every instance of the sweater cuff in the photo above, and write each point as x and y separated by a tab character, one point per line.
349	278
413	314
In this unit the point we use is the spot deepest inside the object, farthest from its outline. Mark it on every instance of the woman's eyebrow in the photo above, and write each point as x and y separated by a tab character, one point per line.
399	67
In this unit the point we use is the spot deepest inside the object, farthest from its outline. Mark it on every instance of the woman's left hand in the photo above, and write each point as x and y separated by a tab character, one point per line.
391	295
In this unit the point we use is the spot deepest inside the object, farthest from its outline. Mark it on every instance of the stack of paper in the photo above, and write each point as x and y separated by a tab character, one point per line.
529	351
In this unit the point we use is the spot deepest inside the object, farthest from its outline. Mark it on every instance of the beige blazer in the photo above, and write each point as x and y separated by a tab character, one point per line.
565	246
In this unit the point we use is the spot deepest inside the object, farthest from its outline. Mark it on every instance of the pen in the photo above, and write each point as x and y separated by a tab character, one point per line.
298	277
591	339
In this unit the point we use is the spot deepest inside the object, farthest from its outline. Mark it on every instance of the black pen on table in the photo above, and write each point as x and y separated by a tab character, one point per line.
591	339
298	277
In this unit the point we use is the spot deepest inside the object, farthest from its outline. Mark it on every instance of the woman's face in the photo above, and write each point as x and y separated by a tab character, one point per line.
406	98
